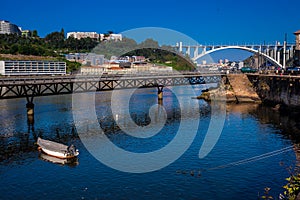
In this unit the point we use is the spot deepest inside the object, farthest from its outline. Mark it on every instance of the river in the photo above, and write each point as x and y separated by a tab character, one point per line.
253	150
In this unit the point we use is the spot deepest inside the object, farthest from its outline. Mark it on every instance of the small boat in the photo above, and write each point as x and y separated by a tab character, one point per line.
61	161
56	149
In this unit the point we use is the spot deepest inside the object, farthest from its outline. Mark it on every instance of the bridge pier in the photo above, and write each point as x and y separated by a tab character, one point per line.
30	109
160	92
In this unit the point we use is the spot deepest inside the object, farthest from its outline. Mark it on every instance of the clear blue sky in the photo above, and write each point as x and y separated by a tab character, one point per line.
207	22
212	21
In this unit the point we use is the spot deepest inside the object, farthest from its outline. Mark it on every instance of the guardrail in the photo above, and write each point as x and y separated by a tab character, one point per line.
73	78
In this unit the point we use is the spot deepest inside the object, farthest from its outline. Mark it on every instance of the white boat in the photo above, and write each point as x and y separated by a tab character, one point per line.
61	161
56	149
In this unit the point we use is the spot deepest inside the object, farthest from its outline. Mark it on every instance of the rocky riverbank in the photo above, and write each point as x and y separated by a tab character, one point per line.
234	88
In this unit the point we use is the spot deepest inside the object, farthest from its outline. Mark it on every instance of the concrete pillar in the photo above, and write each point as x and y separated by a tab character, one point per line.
180	46
196	51
188	51
284	55
204	50
160	92
278	56
275	53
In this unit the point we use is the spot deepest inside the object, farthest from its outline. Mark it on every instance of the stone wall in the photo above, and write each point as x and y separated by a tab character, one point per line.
283	90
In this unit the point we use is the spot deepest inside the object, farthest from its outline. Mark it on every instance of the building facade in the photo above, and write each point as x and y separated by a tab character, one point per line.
8	28
297	49
94	35
113	36
17	67
80	35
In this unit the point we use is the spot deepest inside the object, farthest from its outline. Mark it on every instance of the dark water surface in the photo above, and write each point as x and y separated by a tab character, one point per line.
253	152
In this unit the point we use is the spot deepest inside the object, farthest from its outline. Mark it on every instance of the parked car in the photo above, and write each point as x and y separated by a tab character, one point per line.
248	70
293	70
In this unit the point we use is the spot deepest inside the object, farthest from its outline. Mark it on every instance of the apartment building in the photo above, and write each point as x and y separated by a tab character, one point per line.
17	67
8	28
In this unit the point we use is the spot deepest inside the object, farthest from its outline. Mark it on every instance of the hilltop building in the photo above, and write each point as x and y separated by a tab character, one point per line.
8	28
113	36
94	35
80	35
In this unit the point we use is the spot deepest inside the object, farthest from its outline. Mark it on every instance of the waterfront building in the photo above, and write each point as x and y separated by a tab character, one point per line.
32	67
8	28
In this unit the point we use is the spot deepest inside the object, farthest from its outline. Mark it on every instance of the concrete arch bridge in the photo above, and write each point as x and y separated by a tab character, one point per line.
276	54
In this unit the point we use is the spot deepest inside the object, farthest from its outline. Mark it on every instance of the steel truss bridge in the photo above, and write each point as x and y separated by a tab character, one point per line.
30	87
277	54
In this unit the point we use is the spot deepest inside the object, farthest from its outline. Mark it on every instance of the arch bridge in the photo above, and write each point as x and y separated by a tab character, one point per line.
277	54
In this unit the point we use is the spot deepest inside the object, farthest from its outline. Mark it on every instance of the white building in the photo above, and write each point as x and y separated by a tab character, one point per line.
113	36
241	65
8	28
80	35
32	67
94	35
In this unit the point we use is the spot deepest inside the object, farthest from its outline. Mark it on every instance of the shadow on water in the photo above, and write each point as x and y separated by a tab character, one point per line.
288	123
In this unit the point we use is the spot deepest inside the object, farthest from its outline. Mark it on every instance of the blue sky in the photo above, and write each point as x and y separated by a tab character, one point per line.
207	22
213	21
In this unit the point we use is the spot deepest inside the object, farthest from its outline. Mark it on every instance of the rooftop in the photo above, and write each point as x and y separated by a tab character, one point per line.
297	32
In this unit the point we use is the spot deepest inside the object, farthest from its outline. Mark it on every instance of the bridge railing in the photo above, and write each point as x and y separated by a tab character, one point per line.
68	79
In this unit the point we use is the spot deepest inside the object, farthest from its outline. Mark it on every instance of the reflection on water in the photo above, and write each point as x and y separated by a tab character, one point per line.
249	131
287	123
72	162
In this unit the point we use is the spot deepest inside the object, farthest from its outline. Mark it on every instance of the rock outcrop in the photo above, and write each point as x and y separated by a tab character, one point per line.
233	88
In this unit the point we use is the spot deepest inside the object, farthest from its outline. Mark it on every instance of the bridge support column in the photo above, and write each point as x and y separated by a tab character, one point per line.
160	92
284	55
196	51
180	47
188	51
278	56
30	108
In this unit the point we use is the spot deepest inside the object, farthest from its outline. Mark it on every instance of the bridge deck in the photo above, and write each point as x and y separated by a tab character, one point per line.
43	86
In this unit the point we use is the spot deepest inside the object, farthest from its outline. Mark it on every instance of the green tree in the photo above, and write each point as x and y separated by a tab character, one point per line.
34	33
62	32
55	40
